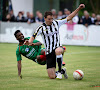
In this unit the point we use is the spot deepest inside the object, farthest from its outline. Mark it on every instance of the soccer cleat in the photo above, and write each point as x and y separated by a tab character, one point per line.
65	73
59	76
64	48
63	63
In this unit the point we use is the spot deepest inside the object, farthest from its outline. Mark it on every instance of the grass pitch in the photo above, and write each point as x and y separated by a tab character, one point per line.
35	76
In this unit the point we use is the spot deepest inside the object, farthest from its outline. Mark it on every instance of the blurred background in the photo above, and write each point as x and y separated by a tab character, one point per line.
33	6
27	15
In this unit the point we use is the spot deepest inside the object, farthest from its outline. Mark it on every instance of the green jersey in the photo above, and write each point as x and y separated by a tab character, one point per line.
29	52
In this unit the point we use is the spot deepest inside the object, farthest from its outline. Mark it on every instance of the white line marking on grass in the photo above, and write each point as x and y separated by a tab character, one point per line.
82	52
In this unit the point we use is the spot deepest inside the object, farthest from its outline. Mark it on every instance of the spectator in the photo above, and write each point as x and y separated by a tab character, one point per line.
75	19
54	13
97	21
20	17
85	12
70	25
60	15
80	20
66	13
8	18
40	18
86	20
23	16
31	19
12	16
27	16
69	12
55	17
37	15
71	22
93	18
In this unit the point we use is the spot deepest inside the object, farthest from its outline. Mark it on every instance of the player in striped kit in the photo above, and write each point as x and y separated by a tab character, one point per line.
54	51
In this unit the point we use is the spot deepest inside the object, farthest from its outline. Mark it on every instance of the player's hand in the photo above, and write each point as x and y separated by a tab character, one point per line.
20	76
81	6
31	44
26	42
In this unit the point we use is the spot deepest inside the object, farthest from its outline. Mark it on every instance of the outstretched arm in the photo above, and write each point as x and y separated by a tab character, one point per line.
75	12
19	69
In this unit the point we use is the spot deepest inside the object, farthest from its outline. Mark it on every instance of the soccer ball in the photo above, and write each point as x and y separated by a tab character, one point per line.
78	74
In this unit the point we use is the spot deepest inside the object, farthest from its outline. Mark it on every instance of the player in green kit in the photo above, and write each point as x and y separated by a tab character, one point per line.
33	51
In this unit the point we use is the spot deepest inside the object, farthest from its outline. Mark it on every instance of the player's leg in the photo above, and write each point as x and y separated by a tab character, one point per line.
59	57
42	55
41	58
43	52
64	48
51	65
59	53
51	73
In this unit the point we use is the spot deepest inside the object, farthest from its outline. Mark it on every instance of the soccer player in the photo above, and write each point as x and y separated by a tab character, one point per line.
50	33
33	51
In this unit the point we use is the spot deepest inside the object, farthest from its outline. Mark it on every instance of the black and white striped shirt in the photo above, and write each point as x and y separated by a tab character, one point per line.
50	34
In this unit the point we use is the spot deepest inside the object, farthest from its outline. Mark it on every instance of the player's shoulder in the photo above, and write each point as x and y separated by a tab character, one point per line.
55	22
40	27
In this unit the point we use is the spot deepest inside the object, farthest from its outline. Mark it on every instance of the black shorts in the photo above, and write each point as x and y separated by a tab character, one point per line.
51	60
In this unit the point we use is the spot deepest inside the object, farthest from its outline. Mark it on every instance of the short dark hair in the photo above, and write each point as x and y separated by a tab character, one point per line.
17	31
47	13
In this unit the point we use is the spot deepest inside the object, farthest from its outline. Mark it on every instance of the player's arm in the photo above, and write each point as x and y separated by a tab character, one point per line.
75	12
63	21
19	58
29	42
37	44
19	68
37	32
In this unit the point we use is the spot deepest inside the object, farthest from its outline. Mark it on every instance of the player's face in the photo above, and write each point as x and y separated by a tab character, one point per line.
49	20
20	36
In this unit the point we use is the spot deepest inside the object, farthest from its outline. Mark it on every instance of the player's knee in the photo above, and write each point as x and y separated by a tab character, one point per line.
52	76
51	73
59	51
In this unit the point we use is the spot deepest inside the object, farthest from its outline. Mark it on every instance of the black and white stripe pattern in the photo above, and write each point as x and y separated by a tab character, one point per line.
50	35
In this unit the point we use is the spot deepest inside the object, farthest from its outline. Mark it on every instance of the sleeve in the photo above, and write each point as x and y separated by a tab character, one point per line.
61	22
27	38
38	31
18	55
35	41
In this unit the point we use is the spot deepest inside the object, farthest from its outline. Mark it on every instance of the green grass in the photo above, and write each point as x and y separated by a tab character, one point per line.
35	76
